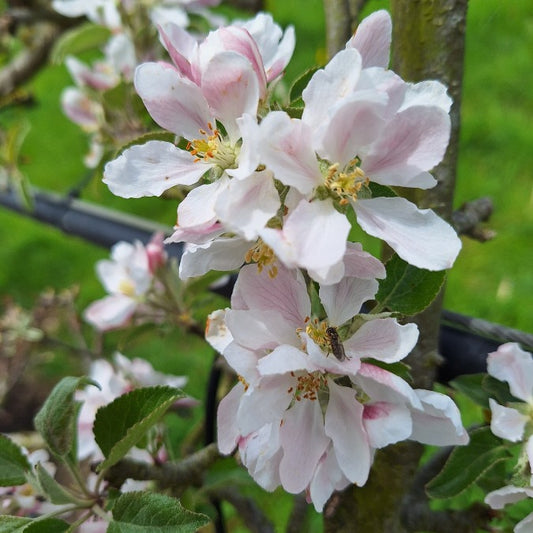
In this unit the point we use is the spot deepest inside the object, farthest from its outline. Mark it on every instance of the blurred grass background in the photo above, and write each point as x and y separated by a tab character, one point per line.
491	280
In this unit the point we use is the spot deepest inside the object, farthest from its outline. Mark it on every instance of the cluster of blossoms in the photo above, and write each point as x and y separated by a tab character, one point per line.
86	104
129	278
316	394
514	423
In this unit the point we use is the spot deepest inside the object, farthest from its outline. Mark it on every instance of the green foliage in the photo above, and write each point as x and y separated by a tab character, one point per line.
468	464
124	422
408	289
85	37
50	487
15	524
56	421
481	387
13	463
147	512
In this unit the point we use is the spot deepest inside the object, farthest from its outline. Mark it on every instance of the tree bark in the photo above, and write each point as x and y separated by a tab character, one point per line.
428	43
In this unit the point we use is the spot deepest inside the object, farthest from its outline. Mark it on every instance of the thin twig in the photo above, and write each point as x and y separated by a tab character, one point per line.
468	218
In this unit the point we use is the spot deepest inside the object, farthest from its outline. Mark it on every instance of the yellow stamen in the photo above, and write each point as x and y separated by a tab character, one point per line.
346	184
264	256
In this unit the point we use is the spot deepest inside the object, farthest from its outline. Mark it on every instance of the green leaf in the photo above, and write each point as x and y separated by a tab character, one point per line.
16	524
84	37
498	390
56	421
51	488
471	385
467	464
298	86
13	524
121	424
147	512
408	289
13	463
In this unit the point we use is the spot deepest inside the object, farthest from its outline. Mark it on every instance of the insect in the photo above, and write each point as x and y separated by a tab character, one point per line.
335	344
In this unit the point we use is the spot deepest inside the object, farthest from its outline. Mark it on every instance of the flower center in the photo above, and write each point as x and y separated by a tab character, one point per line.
126	287
346	184
211	148
308	386
326	337
264	256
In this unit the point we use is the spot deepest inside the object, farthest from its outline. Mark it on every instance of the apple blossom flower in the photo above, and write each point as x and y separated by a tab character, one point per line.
128	277
295	392
362	124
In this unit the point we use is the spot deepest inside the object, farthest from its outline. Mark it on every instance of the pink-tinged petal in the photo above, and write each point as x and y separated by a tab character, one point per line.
303	441
382	385
237	40
175	103
286	293
386	423
427	93
328	478
110	312
313	237
439	423
344	425
181	46
352	127
230	86
284	359
261	454
120	52
383	339
330	85
497	499
219	254
360	264
228	432
198	207
199	234
276	47
247	205
287	150
260	329
343	300
373	39
100	79
414	141
216	332
264	403
81	109
515	366
506	422
418	236
150	169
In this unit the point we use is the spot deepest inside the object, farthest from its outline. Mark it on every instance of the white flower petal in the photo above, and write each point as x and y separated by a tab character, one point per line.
150	169
303	441
506	422
418	236
344	425
497	499
386	423
343	300
383	339
439	423
228	432
515	366
373	39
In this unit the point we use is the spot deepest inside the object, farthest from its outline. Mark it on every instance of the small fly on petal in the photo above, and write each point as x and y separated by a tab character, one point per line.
337	349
